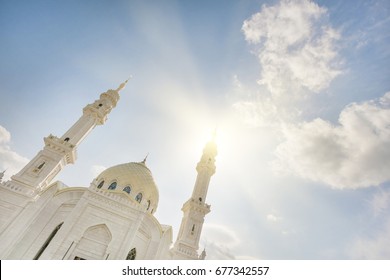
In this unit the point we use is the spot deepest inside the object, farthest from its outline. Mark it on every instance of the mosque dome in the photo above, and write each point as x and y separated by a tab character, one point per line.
135	179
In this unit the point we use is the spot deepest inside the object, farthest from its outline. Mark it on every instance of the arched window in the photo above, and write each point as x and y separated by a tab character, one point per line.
112	186
138	198
100	185
127	189
193	229
132	254
47	242
66	139
41	165
148	205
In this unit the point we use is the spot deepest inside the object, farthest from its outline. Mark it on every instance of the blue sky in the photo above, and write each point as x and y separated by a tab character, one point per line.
296	88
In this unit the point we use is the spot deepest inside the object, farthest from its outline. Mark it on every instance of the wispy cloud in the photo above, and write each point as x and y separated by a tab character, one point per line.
297	50
295	46
220	241
376	246
353	154
9	159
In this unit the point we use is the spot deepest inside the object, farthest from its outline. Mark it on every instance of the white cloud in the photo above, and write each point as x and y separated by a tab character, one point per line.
9	160
219	241
221	235
298	53
260	113
222	243
295	47
5	136
353	154
260	109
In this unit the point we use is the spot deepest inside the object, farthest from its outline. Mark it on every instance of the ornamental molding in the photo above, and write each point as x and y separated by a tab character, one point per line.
114	201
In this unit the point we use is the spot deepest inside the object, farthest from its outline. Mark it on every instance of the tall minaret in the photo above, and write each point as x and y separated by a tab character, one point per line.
195	209
58	152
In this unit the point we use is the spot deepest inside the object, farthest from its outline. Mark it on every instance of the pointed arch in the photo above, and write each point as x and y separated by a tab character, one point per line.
97	237
193	229
132	254
148	205
127	189
41	165
100	184
138	198
47	242
112	186
98	232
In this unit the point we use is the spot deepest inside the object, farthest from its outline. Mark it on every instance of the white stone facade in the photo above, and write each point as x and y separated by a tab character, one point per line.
111	219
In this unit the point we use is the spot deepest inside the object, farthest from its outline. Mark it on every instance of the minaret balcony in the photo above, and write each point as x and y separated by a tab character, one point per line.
99	115
61	146
197	206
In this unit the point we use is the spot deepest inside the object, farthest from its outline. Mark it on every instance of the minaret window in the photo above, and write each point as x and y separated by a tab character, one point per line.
138	198
132	254
127	189
39	167
112	186
100	185
193	229
148	205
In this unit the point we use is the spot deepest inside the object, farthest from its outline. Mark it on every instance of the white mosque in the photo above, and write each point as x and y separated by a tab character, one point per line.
112	219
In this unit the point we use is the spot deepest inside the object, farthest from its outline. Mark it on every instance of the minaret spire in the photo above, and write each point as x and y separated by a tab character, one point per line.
122	85
195	209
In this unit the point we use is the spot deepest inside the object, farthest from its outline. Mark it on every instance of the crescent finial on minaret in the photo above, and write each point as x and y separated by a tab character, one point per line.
122	85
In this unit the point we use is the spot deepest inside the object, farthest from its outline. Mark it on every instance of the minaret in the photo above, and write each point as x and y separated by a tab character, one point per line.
195	209
60	151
